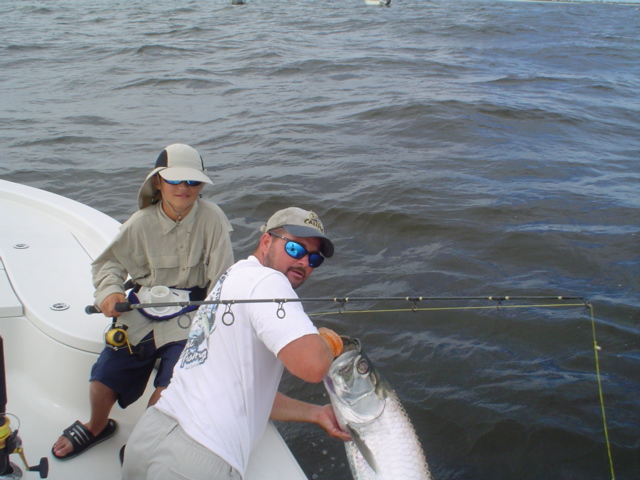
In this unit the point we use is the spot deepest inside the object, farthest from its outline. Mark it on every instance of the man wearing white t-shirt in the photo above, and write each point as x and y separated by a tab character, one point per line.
225	384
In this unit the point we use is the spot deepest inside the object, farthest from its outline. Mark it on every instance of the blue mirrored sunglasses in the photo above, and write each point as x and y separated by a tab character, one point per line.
297	251
191	183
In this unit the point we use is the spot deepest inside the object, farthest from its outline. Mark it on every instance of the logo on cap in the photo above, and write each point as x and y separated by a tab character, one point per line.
314	221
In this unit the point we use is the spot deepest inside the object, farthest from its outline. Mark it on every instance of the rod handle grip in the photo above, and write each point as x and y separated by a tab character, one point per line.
123	307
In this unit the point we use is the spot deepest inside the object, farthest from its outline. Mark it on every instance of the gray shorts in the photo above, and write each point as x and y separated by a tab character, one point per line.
158	449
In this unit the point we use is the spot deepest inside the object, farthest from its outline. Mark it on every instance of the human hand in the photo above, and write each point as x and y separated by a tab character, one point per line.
327	420
107	307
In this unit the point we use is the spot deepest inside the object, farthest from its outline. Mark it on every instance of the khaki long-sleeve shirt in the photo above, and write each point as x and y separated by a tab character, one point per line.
154	250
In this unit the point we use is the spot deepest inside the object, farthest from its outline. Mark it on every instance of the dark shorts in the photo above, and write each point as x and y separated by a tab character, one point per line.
128	374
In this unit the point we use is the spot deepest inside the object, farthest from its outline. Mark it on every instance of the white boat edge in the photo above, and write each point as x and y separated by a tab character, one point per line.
47	243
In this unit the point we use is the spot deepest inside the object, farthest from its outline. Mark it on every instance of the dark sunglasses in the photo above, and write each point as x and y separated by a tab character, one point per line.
191	183
297	251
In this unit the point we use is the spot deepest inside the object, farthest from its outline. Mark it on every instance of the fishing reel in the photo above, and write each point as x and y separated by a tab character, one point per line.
116	337
10	443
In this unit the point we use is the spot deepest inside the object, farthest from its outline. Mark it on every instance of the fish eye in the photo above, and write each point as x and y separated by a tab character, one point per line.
362	367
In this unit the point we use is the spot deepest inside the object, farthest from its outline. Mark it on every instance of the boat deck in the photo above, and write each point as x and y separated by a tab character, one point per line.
47	243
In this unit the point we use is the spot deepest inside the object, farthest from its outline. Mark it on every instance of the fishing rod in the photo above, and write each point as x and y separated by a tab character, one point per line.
128	306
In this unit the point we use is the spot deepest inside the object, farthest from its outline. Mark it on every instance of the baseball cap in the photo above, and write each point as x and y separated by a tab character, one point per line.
300	223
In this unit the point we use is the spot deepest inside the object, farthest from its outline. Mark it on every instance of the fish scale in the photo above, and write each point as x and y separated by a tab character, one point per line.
394	444
385	445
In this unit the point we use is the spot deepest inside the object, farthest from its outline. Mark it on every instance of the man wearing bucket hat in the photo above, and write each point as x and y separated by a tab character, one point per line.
174	248
225	385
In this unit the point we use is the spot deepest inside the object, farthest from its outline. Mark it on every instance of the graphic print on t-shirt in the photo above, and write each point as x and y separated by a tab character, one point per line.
196	350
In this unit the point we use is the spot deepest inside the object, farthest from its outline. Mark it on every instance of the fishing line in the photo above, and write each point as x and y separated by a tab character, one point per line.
432	309
596	349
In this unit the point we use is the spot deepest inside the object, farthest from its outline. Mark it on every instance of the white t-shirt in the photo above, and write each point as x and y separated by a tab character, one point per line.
225	382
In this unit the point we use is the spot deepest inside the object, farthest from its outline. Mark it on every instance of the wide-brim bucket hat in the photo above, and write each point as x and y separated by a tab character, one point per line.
176	162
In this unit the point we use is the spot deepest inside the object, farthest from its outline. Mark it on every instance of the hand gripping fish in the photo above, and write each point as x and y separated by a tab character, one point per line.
385	445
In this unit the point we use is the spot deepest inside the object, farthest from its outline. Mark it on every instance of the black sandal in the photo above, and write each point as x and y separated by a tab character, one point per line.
82	439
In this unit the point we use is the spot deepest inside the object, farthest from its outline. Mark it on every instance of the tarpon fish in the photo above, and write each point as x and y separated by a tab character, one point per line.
384	443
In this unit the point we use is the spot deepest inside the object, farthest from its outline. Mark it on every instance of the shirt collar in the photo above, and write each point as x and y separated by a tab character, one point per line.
168	224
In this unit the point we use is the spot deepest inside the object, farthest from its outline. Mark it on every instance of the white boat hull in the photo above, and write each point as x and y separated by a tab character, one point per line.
47	243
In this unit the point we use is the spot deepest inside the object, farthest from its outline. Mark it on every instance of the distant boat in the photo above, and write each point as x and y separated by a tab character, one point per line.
378	3
47	243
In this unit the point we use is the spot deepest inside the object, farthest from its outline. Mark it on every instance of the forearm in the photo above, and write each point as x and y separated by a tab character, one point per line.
291	410
308	358
287	409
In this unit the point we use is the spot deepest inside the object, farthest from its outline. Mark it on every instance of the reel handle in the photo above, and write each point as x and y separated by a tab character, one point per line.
42	467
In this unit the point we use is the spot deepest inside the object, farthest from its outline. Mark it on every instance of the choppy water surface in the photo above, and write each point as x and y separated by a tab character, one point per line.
452	148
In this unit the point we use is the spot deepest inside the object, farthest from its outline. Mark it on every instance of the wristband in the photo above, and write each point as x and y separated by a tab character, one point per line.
333	340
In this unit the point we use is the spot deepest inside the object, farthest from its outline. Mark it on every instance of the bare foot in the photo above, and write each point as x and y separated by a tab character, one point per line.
62	447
